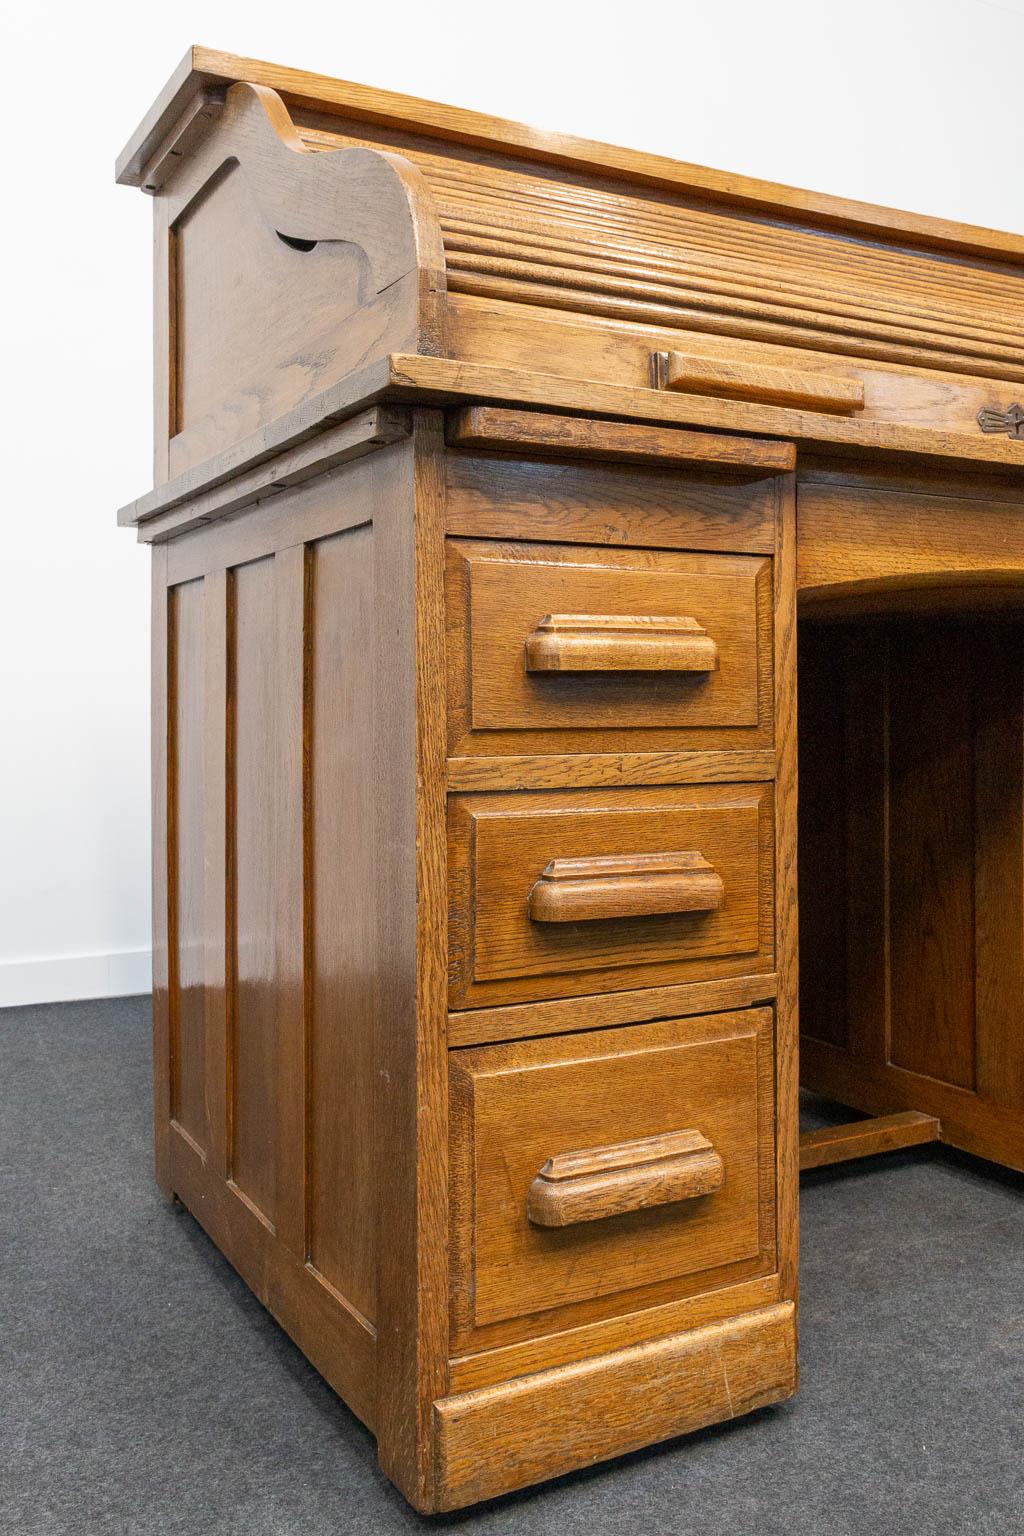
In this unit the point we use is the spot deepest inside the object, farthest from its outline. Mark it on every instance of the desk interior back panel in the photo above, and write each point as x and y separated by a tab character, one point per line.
912	787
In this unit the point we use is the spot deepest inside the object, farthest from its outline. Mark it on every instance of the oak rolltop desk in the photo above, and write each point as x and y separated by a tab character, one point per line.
492	469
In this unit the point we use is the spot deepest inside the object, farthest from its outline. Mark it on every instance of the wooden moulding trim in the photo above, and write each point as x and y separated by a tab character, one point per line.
199	114
522	1021
489	427
205	68
605	769
494	1439
867	1138
172	106
394	379
173	507
355	393
567	1346
448	381
412	378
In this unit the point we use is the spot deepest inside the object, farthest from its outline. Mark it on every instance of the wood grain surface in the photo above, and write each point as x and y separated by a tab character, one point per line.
632	1397
499	595
499	845
866	1138
602	1182
516	1106
692	374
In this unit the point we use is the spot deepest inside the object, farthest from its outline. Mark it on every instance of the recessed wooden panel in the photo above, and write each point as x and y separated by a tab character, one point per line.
516	1106
500	845
343	791
256	795
497	596
821	846
931	851
228	264
999	865
187	939
511	585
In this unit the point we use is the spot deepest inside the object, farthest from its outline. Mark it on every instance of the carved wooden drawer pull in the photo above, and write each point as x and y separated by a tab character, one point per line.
692	374
586	642
625	885
631	1176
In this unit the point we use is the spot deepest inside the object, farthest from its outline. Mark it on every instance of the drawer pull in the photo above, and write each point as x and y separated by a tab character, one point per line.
630	1176
625	885
585	642
690	374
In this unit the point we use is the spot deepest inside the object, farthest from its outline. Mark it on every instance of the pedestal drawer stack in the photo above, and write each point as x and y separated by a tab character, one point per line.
621	1099
474	963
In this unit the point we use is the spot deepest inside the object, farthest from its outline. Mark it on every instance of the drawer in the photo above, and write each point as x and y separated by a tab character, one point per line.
565	892
586	1169
564	649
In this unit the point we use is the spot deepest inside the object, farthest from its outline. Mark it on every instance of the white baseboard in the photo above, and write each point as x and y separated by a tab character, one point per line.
67	978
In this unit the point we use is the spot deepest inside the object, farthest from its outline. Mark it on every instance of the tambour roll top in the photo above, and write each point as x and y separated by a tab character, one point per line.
365	225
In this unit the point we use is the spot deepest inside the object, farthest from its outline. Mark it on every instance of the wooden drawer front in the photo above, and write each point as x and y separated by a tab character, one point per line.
675	646
563	892
622	1097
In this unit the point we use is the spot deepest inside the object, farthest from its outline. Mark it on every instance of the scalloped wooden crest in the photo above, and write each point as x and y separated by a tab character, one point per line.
368	197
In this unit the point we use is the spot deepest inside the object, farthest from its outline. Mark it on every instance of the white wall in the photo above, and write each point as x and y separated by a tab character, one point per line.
915	103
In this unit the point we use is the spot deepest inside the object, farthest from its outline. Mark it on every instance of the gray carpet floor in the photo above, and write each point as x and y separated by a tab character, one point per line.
143	1390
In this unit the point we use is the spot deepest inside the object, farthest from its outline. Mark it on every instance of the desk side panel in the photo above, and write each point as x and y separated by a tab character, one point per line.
277	272
277	717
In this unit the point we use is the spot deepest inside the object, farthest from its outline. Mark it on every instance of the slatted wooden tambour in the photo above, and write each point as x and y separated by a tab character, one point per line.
476	554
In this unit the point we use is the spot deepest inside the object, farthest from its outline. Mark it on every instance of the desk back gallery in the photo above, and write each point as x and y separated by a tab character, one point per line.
493	468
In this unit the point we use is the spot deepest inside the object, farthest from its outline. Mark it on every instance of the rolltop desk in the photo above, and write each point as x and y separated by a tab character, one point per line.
493	468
